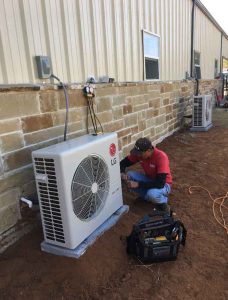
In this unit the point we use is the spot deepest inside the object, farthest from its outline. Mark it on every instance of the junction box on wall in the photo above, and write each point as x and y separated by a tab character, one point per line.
44	67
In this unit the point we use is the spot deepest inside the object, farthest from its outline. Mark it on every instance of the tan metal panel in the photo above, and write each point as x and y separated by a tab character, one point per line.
225	47
174	29
10	42
207	42
102	37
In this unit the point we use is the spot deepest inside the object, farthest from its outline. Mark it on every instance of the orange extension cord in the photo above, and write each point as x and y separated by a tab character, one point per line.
220	201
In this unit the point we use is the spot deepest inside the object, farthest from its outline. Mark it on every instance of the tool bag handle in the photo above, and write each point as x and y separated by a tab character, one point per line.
147	220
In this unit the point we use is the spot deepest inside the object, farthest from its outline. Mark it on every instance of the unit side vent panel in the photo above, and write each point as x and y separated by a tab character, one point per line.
198	112
49	200
90	187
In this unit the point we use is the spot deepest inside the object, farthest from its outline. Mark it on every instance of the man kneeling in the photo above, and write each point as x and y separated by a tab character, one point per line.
155	184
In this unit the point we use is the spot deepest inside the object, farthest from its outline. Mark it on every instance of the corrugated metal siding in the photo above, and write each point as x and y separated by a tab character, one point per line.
99	37
225	47
207	41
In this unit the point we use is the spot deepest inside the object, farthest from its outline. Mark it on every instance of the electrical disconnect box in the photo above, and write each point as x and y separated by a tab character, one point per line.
44	68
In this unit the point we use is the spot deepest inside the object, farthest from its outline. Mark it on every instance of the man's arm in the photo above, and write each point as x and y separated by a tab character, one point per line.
125	163
158	182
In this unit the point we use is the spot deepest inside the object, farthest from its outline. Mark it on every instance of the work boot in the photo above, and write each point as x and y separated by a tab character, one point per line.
163	207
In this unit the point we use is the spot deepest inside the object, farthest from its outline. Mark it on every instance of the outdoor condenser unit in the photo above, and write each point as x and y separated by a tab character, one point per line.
202	113
79	187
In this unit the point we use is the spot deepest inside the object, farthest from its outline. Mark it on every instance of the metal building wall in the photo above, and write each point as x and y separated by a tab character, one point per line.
225	47
97	37
207	41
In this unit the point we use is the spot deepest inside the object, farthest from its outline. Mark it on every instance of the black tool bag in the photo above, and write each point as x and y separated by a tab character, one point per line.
156	237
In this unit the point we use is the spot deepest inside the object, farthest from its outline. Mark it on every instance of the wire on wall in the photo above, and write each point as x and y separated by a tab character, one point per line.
67	104
89	93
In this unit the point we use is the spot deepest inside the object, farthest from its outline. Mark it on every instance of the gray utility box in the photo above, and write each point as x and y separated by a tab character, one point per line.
44	67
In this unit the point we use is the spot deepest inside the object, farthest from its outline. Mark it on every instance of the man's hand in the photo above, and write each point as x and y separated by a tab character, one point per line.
124	177
132	184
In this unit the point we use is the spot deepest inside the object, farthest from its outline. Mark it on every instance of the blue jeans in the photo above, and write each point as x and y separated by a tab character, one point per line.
155	195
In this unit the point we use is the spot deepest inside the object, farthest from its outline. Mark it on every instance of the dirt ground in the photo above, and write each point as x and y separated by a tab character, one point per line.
106	272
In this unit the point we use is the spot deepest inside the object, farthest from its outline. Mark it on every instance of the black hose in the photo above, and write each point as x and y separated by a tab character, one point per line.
67	105
192	38
197	87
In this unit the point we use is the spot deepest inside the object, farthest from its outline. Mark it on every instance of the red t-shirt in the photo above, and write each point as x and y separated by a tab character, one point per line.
158	163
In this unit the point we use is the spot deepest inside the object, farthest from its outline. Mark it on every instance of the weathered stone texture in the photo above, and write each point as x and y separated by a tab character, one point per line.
105	116
155	103
10	125
140	107
117	113
103	104
74	127
58	118
142	125
76	99
127	109
168	87
134	129
9	197
9	209
149	113
124	132
42	135
113	126
16	179
48	101
9	216
29	188
38	122
14	105
150	122
166	101
1	166
126	140
119	100
106	91
10	142
160	120
130	120
17	159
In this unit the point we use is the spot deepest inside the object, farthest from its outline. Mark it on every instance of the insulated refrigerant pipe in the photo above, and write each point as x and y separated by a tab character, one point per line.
27	201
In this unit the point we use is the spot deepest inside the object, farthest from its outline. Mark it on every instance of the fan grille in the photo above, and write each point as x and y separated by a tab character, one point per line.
49	200
90	187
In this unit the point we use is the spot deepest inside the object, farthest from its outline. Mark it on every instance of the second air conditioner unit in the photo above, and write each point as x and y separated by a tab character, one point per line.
202	113
79	187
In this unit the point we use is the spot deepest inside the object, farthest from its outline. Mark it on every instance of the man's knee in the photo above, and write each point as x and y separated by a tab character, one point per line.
132	175
156	196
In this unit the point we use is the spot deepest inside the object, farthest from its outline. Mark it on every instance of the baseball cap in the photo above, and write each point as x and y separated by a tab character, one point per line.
141	145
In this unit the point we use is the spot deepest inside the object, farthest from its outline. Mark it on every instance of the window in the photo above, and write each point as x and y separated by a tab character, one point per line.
197	65
151	51
216	68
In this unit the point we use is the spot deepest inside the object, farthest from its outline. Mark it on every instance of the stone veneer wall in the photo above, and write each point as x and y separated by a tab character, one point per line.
32	119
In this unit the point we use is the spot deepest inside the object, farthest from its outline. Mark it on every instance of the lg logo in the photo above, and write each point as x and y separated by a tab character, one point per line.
112	151
113	161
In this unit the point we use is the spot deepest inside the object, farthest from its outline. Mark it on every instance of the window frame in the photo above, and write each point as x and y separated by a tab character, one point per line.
152	58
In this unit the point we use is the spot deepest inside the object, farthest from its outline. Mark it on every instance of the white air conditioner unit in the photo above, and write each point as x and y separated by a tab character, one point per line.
79	187
202	113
